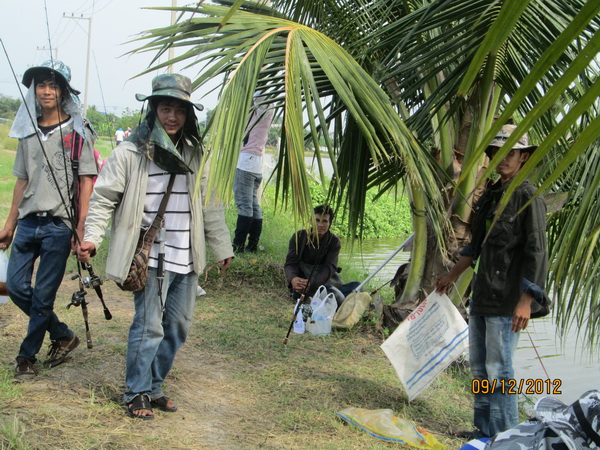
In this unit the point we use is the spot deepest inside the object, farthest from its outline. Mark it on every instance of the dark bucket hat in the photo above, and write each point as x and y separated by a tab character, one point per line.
502	136
52	66
171	85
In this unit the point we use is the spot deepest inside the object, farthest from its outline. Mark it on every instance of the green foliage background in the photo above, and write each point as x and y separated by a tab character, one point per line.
386	216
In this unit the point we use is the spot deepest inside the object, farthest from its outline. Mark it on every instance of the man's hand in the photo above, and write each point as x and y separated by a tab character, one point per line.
522	313
85	251
225	265
443	283
6	237
299	284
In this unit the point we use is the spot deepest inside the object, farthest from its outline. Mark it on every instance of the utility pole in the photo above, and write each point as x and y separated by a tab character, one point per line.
171	49
44	49
87	60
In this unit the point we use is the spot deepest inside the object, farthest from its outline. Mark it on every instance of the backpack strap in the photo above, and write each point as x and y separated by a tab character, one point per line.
76	145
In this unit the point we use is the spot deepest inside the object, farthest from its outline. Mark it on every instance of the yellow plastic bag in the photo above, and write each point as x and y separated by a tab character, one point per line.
382	424
350	312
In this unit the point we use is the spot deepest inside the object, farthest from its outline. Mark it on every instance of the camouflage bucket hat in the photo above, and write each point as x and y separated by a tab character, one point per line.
171	85
52	67
578	423
503	135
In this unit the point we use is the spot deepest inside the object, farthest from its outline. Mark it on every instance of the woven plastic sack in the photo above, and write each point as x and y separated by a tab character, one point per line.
382	424
426	342
350	312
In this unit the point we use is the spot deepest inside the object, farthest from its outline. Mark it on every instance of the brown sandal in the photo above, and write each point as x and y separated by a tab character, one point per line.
138	403
162	403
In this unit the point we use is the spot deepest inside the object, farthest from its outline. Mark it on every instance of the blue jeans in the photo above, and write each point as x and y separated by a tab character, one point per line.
155	336
48	239
492	345
245	191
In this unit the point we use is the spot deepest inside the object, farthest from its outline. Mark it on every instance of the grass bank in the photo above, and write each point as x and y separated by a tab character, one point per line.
235	382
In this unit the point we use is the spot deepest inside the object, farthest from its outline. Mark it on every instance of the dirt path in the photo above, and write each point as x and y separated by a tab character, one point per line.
77	404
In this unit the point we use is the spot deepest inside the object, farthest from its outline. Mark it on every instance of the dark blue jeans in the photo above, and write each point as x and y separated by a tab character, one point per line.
48	239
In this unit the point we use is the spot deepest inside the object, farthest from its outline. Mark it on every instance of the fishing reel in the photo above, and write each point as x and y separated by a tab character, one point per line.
78	298
306	312
92	281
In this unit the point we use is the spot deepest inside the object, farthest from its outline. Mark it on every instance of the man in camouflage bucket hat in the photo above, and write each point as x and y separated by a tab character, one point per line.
510	262
130	188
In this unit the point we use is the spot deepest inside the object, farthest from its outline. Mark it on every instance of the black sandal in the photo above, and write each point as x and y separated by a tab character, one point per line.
137	403
162	403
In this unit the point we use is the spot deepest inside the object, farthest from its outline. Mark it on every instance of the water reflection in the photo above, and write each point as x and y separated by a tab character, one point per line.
576	372
364	257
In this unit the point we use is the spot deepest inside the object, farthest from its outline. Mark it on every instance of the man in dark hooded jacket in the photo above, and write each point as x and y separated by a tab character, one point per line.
508	253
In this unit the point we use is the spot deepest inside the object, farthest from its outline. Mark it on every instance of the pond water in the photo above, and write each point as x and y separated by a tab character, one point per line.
366	256
572	371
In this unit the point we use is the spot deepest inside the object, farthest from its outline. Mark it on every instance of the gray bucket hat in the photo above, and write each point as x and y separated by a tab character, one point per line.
171	85
52	66
503	135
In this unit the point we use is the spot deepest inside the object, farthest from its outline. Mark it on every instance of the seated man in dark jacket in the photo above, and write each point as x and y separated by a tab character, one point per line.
312	259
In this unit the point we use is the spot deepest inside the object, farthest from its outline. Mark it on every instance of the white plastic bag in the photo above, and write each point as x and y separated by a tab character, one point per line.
3	271
316	299
323	309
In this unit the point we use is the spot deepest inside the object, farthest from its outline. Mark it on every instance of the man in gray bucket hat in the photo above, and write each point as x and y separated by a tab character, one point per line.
165	148
509	258
49	205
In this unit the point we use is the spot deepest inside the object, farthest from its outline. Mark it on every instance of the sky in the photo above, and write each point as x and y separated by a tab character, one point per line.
24	32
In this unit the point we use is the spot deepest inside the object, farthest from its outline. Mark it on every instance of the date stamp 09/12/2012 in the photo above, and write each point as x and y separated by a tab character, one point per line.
527	386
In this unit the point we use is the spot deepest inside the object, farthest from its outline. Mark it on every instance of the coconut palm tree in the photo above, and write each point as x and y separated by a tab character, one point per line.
408	93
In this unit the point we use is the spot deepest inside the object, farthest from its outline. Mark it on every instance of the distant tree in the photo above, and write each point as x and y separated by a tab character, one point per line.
275	131
8	107
103	123
130	118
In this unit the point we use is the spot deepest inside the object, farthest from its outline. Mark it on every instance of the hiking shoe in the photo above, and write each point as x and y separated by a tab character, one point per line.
24	369
59	350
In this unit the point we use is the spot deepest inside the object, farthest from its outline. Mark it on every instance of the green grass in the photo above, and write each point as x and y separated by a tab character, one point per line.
6	142
238	386
104	147
8	147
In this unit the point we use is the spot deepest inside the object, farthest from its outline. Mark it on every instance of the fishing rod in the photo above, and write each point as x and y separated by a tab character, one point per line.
93	280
